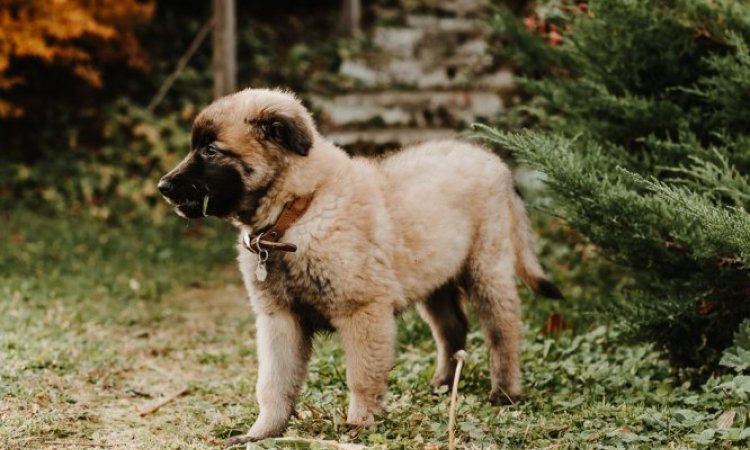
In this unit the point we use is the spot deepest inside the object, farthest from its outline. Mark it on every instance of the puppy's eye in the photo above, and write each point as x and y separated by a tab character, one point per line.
211	150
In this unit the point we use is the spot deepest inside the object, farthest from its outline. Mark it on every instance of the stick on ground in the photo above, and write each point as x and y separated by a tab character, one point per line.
155	407
460	356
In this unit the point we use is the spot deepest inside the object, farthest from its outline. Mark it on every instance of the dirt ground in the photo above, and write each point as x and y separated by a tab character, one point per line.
199	345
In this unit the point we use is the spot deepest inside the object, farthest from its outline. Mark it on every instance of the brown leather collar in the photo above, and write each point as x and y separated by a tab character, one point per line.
268	238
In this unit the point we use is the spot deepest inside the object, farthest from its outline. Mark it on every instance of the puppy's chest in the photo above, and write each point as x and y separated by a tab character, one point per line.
296	280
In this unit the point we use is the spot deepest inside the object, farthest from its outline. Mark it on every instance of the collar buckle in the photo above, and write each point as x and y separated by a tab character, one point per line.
268	239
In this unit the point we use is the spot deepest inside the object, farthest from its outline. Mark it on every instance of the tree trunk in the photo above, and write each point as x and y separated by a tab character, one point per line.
225	48
350	16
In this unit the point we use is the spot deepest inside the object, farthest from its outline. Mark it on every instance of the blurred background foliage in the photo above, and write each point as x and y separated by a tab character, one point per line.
77	37
75	82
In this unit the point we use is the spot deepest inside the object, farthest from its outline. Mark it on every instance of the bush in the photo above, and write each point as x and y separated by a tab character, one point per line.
76	36
118	176
87	145
642	115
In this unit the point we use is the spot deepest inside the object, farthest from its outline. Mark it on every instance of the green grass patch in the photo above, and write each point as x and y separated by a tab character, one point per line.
80	302
582	391
97	322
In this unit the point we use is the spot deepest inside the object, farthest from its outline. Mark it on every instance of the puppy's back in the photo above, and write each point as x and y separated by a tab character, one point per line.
447	168
438	194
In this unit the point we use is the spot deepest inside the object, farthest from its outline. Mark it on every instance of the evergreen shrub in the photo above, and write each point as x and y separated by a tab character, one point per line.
639	115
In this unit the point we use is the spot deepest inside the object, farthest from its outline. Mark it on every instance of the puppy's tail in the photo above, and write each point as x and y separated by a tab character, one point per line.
527	266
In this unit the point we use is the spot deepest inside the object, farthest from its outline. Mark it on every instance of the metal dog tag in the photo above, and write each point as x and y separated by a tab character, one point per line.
260	272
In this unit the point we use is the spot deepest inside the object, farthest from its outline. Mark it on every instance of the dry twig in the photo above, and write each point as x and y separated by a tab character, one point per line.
155	407
68	443
460	356
192	48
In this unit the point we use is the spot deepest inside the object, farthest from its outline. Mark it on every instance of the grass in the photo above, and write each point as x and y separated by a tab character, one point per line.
99	322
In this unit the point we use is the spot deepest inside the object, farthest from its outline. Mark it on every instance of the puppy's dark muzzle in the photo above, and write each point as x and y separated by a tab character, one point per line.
178	188
185	197
165	186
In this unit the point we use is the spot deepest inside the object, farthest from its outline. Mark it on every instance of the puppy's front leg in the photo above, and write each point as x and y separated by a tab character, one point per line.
283	354
368	336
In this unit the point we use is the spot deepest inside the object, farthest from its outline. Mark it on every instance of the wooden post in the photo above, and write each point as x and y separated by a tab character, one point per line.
350	16
225	48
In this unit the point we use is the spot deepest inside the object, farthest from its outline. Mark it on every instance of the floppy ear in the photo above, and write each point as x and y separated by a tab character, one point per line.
287	132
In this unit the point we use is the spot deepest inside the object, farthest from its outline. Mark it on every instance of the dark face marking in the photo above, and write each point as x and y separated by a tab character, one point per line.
205	174
221	174
286	132
203	134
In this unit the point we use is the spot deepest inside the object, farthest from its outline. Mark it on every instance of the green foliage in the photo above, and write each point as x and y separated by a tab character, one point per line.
100	153
119	272
115	180
738	356
303	66
75	257
643	112
92	331
582	391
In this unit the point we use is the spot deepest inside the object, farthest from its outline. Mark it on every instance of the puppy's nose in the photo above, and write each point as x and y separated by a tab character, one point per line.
165	186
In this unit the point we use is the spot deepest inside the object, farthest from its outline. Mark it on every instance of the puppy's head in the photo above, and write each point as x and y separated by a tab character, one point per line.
241	144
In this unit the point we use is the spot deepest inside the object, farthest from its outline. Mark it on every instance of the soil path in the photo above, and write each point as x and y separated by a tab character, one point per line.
197	340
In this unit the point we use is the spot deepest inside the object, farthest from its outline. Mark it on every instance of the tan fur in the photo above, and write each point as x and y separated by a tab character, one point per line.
420	227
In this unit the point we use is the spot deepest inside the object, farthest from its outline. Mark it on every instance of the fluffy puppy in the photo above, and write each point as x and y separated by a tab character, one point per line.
372	237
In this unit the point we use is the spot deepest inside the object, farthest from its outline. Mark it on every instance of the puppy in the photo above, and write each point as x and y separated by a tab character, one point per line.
329	242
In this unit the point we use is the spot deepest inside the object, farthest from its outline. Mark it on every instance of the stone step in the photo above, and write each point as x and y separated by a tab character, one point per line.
408	108
397	41
450	72
427	51
389	136
444	25
463	7
459	8
429	33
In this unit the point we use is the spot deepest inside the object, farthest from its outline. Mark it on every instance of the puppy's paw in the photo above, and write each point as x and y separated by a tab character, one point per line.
501	397
360	420
442	380
236	441
257	432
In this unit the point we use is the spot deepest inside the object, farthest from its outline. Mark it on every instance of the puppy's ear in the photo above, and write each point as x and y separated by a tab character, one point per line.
287	132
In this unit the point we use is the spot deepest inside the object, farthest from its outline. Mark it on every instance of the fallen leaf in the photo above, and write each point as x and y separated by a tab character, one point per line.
554	325
726	420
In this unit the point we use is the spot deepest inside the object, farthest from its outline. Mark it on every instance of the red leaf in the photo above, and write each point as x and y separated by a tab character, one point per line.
554	325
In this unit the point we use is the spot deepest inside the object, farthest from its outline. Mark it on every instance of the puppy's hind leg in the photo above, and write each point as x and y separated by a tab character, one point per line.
283	353
494	297
368	336
445	315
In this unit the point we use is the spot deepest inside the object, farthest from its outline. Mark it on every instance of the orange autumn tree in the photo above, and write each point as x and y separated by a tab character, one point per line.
78	35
